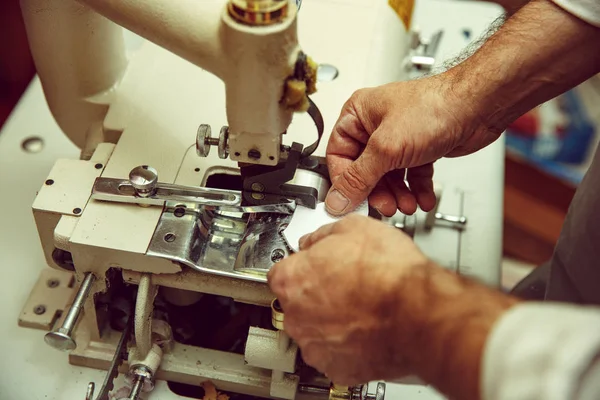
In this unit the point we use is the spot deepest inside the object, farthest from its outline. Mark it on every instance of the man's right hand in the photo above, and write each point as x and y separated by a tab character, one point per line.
397	131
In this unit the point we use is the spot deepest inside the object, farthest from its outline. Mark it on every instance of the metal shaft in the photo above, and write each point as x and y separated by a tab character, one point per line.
61	338
136	390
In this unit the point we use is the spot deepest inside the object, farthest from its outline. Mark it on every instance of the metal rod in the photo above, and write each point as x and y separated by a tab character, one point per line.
136	390
62	338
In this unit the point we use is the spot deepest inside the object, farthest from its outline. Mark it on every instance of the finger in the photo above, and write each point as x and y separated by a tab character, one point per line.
383	200
316	355
280	276
355	183
346	143
405	200
420	180
310	239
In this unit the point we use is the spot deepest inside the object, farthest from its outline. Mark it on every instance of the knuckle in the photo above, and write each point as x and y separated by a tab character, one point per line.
355	180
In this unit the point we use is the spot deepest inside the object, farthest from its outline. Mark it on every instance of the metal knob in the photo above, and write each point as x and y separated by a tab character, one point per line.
144	180
223	139
204	141
62	338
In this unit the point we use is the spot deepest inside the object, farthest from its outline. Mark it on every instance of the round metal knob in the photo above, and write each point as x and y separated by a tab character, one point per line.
203	140
223	138
60	340
144	180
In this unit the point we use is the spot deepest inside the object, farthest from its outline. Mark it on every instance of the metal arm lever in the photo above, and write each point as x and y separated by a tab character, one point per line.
143	188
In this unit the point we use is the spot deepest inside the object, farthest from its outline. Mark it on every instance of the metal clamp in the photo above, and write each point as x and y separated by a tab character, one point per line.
143	187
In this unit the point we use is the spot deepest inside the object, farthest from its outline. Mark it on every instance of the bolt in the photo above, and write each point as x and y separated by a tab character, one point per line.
277	255
52	283
39	310
61	338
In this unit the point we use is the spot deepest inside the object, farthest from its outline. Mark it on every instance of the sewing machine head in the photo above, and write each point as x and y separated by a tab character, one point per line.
172	241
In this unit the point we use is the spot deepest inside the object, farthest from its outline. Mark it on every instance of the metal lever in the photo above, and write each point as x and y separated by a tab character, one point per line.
143	188
62	338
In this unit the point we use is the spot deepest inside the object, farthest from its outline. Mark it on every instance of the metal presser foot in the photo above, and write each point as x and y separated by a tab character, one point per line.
223	232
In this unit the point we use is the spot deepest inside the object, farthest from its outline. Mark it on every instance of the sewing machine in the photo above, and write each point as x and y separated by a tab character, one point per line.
167	168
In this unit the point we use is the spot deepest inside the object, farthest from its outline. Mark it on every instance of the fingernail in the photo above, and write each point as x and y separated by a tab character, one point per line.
336	201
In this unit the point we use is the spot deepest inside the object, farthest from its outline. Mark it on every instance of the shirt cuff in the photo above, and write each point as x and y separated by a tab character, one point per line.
541	351
586	10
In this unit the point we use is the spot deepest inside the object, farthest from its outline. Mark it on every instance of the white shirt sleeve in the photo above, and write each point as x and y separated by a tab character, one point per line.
543	351
587	10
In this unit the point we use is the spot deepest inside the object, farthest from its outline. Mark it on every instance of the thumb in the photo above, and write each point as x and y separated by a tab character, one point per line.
354	184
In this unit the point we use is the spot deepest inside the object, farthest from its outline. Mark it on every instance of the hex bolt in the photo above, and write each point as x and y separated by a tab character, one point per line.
62	338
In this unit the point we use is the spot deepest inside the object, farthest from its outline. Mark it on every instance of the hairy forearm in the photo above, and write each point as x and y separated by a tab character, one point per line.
455	316
540	52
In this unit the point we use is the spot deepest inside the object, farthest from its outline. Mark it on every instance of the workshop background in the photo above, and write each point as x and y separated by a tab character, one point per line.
548	151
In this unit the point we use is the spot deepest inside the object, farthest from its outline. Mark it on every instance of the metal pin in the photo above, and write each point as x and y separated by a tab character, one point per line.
61	338
454	221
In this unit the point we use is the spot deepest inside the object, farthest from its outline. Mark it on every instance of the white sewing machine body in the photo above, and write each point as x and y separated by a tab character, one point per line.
154	111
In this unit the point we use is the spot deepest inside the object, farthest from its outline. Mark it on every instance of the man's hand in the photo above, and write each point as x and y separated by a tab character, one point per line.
385	132
363	303
341	295
393	132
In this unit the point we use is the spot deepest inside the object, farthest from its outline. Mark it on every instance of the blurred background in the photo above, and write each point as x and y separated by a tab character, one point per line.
548	151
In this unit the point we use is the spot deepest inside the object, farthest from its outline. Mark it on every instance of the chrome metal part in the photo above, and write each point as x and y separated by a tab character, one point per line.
203	140
122	191
423	51
118	357
62	338
143	179
452	221
359	392
141	375
379	393
233	244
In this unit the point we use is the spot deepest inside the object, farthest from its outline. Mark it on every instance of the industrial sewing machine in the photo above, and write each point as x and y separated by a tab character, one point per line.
160	228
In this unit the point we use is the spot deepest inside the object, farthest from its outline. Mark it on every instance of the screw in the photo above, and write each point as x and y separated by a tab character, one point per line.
170	237
277	255
258	187
98	166
52	283
254	154
77	211
179	212
50	182
39	310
